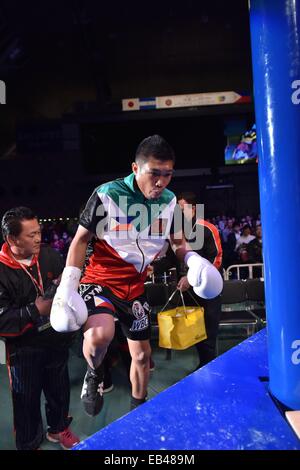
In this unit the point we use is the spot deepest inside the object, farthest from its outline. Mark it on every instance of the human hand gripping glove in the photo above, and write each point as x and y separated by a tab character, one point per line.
68	312
206	280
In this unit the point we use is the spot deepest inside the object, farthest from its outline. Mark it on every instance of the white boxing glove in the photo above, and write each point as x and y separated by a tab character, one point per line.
206	280
68	312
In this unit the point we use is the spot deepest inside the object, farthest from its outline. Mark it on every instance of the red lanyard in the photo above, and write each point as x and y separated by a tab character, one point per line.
37	284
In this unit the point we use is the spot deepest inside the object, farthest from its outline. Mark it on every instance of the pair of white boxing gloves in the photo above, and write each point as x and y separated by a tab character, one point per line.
69	310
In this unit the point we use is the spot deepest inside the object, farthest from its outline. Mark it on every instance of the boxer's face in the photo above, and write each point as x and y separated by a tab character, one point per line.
153	176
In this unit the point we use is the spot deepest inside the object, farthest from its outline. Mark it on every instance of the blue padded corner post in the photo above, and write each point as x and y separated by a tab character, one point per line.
275	37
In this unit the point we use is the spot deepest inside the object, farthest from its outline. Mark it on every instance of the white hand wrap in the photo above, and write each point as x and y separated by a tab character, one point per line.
206	280
68	312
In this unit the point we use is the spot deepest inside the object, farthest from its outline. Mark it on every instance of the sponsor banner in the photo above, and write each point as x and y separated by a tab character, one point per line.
199	99
181	101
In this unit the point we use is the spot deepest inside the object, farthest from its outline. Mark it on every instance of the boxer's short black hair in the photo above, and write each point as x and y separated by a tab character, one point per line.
154	146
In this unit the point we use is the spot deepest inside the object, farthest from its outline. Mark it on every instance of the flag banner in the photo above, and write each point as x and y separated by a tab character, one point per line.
136	104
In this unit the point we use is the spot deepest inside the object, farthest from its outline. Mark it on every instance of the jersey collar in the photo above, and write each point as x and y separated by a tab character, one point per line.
132	185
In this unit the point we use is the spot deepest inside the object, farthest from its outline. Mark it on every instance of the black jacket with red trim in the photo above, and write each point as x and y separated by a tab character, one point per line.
212	246
20	321
211	250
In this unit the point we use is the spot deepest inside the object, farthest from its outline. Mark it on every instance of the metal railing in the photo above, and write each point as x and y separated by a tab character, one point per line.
234	271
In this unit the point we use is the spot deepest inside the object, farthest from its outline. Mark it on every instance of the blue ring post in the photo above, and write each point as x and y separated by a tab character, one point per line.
275	37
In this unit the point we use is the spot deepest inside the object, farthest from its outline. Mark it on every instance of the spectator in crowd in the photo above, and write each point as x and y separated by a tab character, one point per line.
242	242
57	243
227	230
230	255
66	239
254	247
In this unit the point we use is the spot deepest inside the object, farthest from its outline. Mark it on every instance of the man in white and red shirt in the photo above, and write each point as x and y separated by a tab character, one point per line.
131	218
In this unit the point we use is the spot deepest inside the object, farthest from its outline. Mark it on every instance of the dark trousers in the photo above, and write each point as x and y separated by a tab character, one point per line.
212	313
33	370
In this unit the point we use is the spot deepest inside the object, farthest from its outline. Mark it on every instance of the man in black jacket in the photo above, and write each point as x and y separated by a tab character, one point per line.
37	356
212	251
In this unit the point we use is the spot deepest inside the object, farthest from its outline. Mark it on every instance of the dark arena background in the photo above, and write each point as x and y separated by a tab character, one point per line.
67	68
